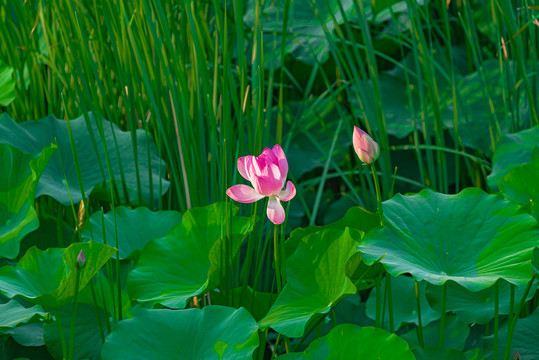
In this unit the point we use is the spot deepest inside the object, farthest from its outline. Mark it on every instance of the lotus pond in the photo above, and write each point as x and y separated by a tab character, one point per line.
259	179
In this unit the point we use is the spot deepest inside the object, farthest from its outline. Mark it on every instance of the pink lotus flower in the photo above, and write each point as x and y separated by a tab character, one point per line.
366	148
267	174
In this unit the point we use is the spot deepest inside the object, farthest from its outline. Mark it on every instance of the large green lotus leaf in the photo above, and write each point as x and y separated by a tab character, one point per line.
134	228
471	238
37	275
456	334
315	281
475	307
7	84
521	185
47	277
87	343
13	314
180	265
305	39
28	335
20	176
129	166
404	303
512	151
215	332
348	341
525	338
438	354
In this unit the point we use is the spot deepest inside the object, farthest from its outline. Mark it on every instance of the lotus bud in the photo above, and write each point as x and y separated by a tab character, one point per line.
81	260
366	148
516	355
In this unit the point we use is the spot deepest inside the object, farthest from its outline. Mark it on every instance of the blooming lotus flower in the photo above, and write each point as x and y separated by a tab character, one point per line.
267	174
366	148
81	260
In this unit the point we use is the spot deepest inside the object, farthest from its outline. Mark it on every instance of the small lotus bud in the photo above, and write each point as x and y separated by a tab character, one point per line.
516	355
81	260
366	148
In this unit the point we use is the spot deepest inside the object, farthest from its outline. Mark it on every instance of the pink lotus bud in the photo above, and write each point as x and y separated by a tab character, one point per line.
81	260
267	174
516	355
366	148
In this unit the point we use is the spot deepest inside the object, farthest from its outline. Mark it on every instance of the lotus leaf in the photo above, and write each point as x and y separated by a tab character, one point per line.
215	332
315	280
475	307
182	264
348	341
512	151
47	277
13	314
87	343
137	172
20	176
471	238
134	228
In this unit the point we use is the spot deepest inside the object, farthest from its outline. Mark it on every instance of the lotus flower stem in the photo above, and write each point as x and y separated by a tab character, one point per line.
275	346
249	258
419	323
390	303
496	319
378	195
118	272
97	316
378	301
277	258
283	248
511	303
74	313
513	323
61	334
287	344
442	315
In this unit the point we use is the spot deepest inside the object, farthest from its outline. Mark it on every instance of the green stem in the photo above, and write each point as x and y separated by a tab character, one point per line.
263	335
283	245
61	334
277	257
249	257
419	324
378	196
390	303
96	308
378	301
513	323
511	304
496	319
309	332
74	316
274	352
442	315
